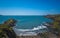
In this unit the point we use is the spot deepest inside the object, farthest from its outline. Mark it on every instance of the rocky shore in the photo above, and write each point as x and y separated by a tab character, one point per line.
50	35
55	25
53	33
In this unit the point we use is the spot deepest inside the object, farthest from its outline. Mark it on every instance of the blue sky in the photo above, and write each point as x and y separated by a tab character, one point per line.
29	7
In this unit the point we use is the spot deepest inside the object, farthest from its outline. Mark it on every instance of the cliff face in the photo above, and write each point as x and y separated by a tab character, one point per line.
54	17
55	23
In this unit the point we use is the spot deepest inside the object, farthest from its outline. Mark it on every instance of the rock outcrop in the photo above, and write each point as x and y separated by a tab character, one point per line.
6	29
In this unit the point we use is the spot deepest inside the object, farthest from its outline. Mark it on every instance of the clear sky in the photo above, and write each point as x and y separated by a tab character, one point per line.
29	7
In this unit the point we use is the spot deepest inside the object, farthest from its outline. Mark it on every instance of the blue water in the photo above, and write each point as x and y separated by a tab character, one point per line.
26	22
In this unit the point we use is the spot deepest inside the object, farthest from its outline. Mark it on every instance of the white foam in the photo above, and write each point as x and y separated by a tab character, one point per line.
27	32
24	29
39	27
35	28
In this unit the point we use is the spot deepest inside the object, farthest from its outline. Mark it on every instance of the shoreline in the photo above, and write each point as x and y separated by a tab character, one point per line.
50	35
31	32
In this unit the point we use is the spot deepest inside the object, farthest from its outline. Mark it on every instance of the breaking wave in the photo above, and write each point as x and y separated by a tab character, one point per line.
35	28
25	32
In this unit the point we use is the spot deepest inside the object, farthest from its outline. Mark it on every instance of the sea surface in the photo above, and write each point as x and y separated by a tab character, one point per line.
26	23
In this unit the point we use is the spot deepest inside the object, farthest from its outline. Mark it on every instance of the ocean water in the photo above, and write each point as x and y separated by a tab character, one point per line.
26	23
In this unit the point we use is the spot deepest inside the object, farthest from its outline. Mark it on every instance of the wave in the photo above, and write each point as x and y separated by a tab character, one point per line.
28	32
35	28
39	27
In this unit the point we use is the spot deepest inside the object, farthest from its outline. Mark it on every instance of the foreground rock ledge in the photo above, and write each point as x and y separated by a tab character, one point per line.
50	35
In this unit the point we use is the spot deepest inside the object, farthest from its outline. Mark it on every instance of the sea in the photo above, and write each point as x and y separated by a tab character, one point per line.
27	25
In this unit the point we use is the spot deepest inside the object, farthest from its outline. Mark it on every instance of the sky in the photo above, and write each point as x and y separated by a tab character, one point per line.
29	7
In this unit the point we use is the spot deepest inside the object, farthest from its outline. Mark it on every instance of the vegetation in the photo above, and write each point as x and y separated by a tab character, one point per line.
6	30
55	23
